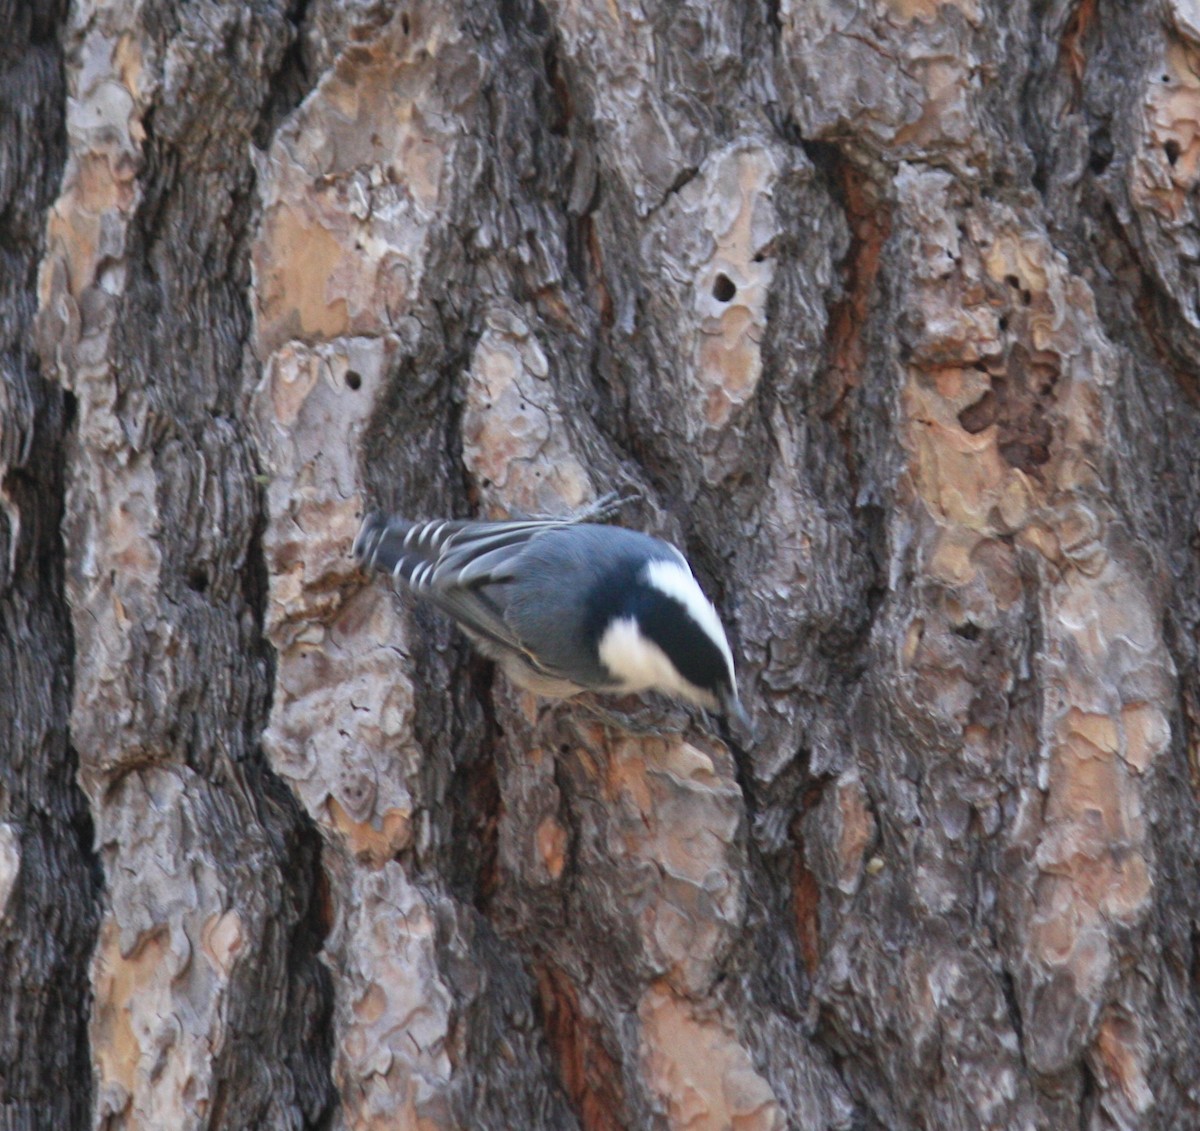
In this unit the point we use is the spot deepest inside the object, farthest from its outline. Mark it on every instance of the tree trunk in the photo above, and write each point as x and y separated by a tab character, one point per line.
889	314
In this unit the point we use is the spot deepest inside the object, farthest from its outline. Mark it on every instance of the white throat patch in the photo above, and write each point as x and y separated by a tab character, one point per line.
676	581
641	665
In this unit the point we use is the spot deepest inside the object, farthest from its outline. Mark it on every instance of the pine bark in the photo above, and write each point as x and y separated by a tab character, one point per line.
886	313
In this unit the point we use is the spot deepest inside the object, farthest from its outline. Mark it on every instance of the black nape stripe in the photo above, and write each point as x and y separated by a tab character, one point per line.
668	623
660	618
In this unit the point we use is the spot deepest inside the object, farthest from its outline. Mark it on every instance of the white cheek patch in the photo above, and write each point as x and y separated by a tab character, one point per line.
641	665
677	581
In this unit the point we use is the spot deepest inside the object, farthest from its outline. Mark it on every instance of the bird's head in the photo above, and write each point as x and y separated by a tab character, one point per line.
661	633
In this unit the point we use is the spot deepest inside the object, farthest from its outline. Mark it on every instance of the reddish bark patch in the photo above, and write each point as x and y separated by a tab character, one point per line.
870	225
1072	51
806	905
806	892
591	1077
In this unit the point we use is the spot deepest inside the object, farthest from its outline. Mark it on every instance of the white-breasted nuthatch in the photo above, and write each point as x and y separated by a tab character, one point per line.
566	606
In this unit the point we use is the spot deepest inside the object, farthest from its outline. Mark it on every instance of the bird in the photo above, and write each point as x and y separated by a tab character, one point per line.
565	605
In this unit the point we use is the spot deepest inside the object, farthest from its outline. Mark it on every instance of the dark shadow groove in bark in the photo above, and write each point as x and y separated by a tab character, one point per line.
51	886
291	81
473	798
300	928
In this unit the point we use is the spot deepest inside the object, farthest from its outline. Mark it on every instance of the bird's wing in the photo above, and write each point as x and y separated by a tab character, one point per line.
462	567
482	553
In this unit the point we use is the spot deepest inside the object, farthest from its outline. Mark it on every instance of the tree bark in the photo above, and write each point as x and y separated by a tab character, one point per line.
886	313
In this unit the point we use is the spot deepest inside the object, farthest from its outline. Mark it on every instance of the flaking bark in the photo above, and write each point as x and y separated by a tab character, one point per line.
886	313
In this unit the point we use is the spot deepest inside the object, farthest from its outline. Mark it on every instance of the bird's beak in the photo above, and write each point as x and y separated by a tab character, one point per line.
731	707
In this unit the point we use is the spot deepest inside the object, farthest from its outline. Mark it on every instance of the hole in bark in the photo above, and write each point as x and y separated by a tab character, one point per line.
724	288
197	579
1003	323
1025	454
967	631
1172	150
404	25
1017	405
1013	282
1101	146
1026	298
353	380
980	415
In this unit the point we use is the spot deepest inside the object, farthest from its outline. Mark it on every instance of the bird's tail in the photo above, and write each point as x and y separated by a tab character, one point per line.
428	558
404	549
